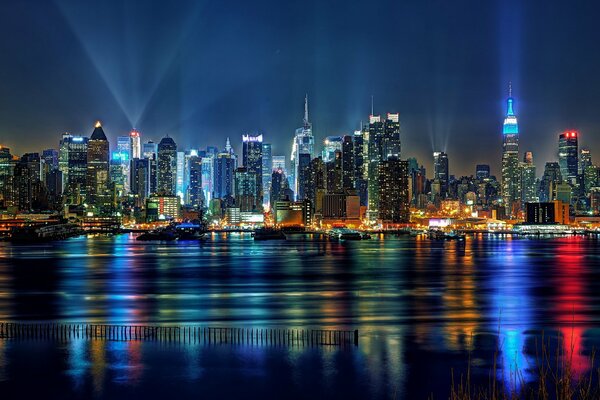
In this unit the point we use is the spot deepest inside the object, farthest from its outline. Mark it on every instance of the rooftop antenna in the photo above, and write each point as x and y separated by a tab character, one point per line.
509	88
306	109
372	113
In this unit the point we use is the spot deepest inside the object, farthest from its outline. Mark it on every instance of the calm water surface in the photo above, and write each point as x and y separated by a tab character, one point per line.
421	308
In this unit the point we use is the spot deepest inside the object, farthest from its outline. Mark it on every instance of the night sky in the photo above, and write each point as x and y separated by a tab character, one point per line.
204	70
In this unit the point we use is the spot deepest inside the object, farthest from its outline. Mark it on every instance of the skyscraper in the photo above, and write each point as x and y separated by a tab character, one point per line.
74	151
482	171
252	146
511	178
124	156
195	195
224	167
304	143
441	171
267	170
97	170
568	156
135	144
140	179
246	190
394	201
348	163
529	191
167	166
330	146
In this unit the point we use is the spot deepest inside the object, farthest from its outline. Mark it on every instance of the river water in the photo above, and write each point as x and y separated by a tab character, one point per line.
423	309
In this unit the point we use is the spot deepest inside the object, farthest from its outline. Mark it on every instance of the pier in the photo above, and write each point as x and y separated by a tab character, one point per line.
180	334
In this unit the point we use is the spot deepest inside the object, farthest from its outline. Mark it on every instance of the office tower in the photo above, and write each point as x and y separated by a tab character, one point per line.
180	172
348	163
252	146
394	201
135	144
29	193
167	166
279	163
315	184
246	190
74	151
511	179
303	163
528	179
279	185
383	143
224	167
124	155
118	174
550	180
149	150
49	161
63	157
441	171
568	156
97	170
585	160
208	161
195	195
360	150
482	171
54	186
304	143
267	170
334	173
6	177
140	179
330	146
591	178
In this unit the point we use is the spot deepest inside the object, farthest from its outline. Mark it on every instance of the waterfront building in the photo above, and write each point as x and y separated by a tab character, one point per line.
252	160
245	190
167	166
304	143
511	177
568	156
162	207
97	195
29	192
73	164
341	208
540	213
334	173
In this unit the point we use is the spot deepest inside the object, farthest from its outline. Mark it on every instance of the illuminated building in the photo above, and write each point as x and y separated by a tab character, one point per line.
482	171
135	144
194	194
208	176
564	192
568	156
551	178
267	170
278	162
348	163
360	153
383	143
278	185
290	213
303	163
528	179
341	208
73	164
140	179
304	143
149	150
6	177
441	172
125	156
540	213
252	158
511	178
97	170
167	166
180	172
162	207
118	177
334	173
245	190
591	175
49	162
330	146
585	160
29	193
224	168
394	202
315	184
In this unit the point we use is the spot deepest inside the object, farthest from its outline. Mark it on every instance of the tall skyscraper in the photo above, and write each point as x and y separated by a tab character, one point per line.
140	179
330	146
246	190
394	201
167	166
383	143
124	156
550	181
360	150
149	150
511	177
348	163
304	143
74	151
568	156
224	167
482	171
252	157
135	144
97	170
195	195
529	191
267	170
6	177
441	171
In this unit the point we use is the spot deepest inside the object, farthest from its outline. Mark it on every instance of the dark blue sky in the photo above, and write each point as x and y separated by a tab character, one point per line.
204	70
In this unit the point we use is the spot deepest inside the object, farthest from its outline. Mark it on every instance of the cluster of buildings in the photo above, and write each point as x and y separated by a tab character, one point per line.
357	180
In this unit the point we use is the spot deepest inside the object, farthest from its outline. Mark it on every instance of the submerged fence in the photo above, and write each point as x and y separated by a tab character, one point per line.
184	334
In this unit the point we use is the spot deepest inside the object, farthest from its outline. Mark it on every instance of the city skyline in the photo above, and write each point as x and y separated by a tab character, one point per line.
445	98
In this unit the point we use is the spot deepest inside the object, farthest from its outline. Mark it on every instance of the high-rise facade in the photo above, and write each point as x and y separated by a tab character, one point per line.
252	159
246	182
568	156
304	143
135	144
441	171
224	168
98	170
330	146
394	199
348	163
511	177
529	193
267	170
195	194
167	166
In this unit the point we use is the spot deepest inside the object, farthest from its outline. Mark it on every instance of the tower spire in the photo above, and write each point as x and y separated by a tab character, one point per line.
228	146
509	88
372	108
306	109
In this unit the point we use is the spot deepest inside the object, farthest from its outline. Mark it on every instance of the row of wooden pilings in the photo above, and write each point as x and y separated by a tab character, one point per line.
185	334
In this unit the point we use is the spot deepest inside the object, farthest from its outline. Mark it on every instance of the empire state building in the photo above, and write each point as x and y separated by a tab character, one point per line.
511	180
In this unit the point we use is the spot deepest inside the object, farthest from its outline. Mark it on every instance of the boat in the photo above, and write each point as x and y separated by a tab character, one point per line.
436	234
44	233
345	234
268	234
190	230
166	235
